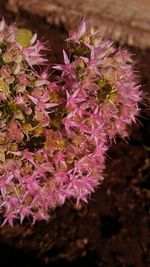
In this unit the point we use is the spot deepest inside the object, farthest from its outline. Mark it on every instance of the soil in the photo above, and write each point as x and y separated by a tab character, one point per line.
113	230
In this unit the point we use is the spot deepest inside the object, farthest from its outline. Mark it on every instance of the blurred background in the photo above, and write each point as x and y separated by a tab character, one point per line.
113	230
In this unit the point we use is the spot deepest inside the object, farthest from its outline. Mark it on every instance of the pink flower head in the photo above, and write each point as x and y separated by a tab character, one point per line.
54	136
105	78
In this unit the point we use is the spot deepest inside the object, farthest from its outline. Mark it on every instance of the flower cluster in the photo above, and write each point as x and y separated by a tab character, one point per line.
54	135
102	78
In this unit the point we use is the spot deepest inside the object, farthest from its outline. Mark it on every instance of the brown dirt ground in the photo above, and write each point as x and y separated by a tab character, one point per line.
113	230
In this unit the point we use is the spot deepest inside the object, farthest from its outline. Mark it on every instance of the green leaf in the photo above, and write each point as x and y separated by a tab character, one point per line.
23	37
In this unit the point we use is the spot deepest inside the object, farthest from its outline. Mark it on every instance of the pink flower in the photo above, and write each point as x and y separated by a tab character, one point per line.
33	54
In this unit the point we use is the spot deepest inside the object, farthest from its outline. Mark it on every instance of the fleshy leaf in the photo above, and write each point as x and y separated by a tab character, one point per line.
23	37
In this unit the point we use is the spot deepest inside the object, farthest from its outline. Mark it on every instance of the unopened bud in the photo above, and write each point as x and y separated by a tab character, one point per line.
40	82
33	39
16	69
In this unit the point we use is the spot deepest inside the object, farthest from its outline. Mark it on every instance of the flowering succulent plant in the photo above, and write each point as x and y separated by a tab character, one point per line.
54	135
